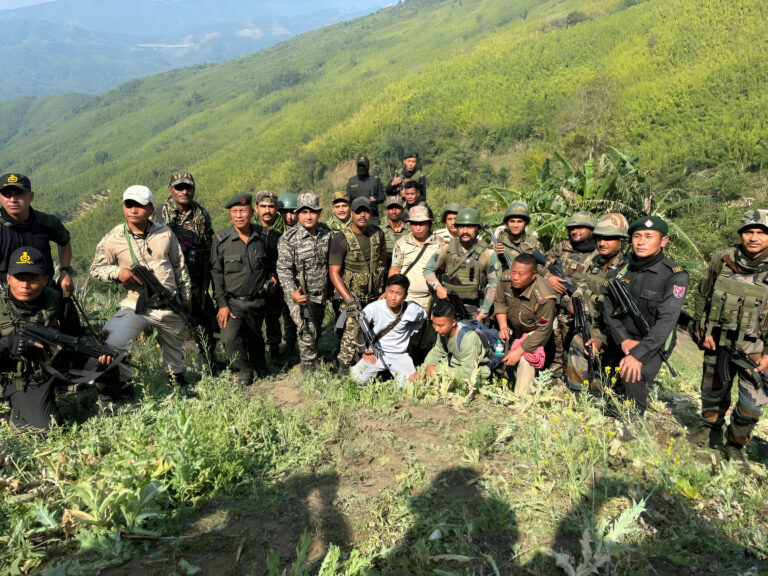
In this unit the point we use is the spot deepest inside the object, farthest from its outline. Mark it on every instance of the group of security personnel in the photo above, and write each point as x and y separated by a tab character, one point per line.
279	265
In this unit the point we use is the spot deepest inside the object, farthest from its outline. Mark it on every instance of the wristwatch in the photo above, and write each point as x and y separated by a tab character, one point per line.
68	269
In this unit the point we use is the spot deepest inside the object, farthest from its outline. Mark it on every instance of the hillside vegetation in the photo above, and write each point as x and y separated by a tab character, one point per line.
484	89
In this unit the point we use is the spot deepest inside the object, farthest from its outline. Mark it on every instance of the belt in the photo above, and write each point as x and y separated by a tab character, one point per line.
244	298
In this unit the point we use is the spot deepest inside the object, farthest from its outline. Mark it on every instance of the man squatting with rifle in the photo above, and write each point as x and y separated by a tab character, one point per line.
141	243
29	373
731	326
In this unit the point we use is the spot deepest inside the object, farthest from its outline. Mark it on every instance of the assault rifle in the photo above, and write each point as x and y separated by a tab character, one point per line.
581	324
727	355
495	243
556	270
459	309
626	304
151	288
371	342
79	344
306	327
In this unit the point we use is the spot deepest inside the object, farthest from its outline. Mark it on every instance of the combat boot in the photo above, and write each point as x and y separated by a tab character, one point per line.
704	435
735	453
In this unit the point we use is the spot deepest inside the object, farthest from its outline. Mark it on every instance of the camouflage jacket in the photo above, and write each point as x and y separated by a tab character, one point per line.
194	231
299	253
337	225
278	227
158	250
573	263
528	244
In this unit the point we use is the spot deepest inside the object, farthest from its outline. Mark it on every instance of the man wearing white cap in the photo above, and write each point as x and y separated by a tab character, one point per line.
143	242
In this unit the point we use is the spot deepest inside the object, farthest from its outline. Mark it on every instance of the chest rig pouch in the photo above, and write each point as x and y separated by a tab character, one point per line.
737	307
463	273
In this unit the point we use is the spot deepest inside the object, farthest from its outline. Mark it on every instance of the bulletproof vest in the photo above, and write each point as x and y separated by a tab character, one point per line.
360	276
737	307
594	278
526	246
16	368
463	273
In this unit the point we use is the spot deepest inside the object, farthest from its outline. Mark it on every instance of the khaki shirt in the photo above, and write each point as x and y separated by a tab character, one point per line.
405	252
530	311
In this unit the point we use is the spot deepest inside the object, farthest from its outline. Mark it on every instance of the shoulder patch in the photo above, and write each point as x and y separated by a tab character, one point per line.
221	236
677	269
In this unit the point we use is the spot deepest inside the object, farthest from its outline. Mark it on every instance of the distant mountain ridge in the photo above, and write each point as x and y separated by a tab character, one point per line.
87	46
484	89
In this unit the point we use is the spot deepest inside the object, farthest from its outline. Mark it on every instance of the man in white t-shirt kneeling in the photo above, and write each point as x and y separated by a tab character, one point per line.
391	322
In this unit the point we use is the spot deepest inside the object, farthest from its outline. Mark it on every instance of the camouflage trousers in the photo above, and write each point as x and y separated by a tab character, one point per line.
577	368
716	398
308	331
349	349
562	335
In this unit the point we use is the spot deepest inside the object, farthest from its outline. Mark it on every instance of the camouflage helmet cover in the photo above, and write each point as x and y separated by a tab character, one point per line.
612	224
517	209
469	217
582	220
754	219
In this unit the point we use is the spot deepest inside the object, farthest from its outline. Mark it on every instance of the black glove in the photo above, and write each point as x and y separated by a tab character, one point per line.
15	344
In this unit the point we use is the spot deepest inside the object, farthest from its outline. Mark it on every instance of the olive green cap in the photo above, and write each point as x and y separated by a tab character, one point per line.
612	224
649	223
450	208
582	220
754	219
517	209
287	201
469	217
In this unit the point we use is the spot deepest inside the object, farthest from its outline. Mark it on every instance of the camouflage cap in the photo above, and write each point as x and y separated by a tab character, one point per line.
394	200
181	178
26	260
239	200
649	223
307	200
612	224
340	196
517	209
15	181
419	214
265	195
754	219
582	219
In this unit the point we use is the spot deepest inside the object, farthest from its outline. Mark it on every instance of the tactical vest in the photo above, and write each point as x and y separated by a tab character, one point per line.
362	277
337	225
737	307
463	273
19	369
594	279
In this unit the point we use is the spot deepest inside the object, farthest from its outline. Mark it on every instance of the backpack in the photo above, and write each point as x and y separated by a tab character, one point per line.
488	336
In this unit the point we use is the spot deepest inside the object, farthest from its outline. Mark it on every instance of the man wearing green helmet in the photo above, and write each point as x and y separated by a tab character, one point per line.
513	236
449	219
572	255
286	205
611	239
731	311
466	266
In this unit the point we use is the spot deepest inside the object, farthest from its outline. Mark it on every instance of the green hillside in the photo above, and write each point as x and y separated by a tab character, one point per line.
483	88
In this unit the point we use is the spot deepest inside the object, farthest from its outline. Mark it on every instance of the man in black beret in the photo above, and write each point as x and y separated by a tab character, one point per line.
658	286
243	259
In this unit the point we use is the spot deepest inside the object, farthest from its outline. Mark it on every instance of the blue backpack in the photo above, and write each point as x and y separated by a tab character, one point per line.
488	336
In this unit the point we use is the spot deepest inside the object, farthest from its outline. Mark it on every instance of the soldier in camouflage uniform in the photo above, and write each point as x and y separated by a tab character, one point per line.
411	171
269	217
572	254
302	266
191	224
513	236
611	239
356	266
395	227
467	266
449	219
341	211
731	311
243	272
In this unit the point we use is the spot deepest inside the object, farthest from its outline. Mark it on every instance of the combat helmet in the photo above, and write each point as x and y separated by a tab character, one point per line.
469	217
582	220
754	219
517	209
612	224
450	208
287	201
